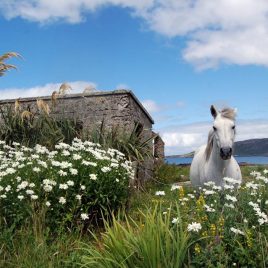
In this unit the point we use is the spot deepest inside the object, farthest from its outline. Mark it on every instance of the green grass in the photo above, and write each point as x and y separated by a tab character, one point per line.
220	247
146	197
144	239
166	173
24	249
150	242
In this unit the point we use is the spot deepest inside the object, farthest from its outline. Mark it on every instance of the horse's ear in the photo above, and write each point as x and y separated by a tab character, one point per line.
213	111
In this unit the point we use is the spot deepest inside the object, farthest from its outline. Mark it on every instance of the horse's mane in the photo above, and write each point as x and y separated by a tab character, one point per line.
209	144
227	113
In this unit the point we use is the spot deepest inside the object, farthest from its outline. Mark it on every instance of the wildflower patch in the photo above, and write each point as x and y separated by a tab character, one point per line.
226	224
71	185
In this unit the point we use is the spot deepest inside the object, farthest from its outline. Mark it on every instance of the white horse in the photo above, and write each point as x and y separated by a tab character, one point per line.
214	161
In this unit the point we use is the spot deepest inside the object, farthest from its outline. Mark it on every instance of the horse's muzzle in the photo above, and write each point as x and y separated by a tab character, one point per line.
226	153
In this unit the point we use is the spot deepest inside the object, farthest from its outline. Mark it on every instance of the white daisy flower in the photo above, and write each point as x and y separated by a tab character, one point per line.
70	183
62	200
34	197
236	231
230	198
175	187
73	171
175	220
83	187
78	197
160	193
63	186
77	156
194	227
93	177
84	216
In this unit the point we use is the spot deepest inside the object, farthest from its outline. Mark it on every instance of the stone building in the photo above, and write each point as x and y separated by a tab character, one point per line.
114	108
159	148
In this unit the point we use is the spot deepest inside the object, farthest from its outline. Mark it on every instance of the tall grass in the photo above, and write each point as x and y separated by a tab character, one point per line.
134	144
29	128
23	249
153	242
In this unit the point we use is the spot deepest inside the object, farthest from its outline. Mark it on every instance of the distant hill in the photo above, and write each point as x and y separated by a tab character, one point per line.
252	147
191	154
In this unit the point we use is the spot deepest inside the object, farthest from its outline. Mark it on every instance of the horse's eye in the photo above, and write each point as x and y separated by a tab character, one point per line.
214	128
233	127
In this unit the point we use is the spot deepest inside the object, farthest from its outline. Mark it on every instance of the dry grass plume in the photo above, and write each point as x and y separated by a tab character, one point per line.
4	66
42	106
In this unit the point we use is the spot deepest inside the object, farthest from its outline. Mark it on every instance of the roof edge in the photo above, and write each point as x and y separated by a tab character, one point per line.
141	105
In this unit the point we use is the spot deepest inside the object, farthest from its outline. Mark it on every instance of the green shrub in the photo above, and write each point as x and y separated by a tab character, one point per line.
170	173
153	242
71	185
134	144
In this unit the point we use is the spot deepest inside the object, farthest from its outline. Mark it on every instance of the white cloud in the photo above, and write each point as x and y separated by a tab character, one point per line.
252	129
162	112
187	138
71	11
122	86
216	31
245	47
151	106
44	90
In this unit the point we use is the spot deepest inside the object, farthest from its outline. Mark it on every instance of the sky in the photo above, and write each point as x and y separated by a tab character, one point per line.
177	56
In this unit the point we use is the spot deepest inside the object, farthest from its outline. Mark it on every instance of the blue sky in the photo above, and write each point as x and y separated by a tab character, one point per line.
178	57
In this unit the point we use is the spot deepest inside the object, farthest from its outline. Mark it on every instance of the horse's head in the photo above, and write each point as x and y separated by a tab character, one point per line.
224	130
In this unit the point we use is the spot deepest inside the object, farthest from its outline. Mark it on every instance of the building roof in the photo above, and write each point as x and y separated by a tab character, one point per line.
88	95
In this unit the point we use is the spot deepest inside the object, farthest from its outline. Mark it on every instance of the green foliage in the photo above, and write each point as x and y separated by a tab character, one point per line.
152	242
232	252
167	173
24	249
30	128
134	144
233	220
70	186
247	169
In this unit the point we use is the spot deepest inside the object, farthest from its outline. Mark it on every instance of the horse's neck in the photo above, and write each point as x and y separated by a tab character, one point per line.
216	162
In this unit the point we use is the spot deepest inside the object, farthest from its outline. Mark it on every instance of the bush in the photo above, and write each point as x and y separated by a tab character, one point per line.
70	186
134	144
167	173
153	242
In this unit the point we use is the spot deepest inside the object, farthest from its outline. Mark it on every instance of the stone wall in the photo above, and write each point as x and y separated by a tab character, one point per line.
159	148
119	107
